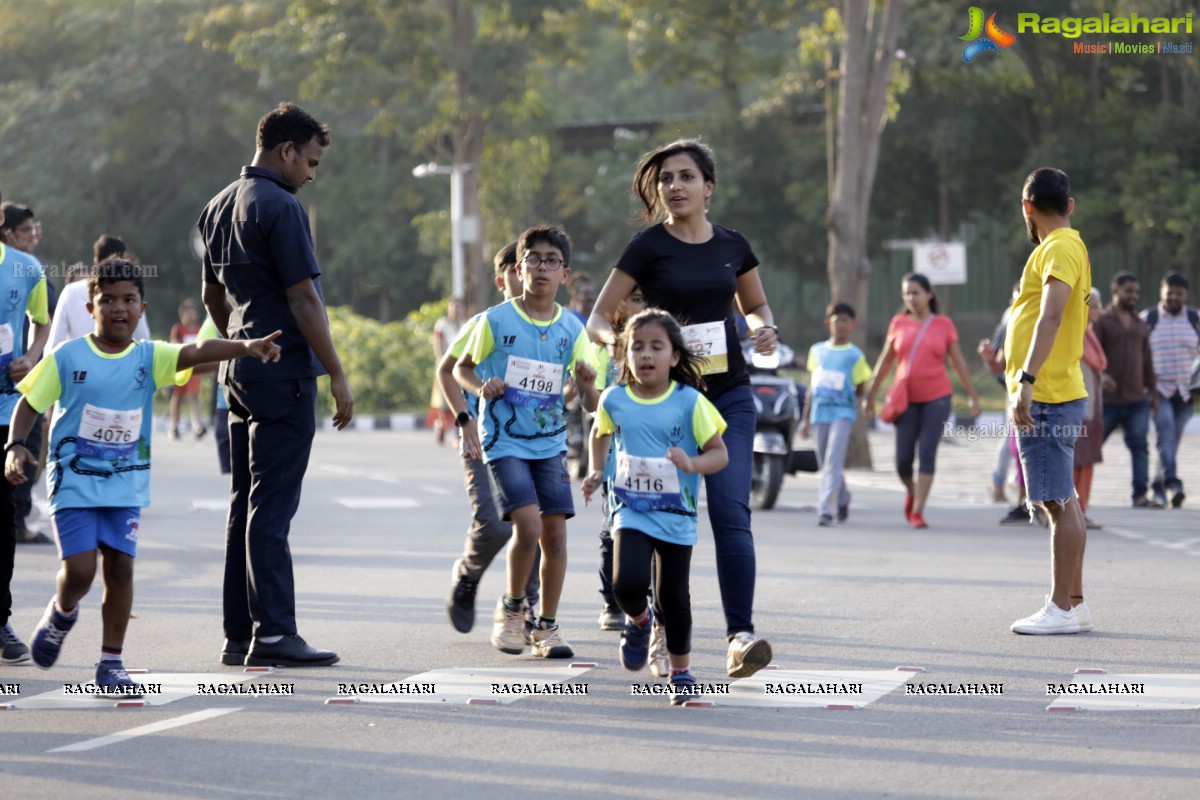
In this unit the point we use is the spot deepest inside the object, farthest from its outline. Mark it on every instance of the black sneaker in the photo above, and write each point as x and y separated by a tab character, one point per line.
1019	515
843	512
460	606
825	521
290	651
1177	498
14	650
234	653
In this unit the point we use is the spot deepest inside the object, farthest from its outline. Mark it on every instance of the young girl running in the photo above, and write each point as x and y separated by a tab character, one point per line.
667	434
611	618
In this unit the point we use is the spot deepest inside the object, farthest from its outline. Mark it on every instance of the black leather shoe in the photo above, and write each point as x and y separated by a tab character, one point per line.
233	654
290	651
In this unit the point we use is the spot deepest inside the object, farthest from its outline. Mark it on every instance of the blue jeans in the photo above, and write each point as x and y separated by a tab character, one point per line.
728	493
1169	423
1048	450
1134	420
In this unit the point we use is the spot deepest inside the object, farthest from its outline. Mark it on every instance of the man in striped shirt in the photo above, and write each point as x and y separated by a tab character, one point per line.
1174	344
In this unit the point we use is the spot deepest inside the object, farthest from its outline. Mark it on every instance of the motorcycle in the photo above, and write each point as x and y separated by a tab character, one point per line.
778	401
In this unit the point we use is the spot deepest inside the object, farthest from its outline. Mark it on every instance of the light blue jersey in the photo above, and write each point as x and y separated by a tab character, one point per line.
534	359
649	493
100	437
22	292
836	370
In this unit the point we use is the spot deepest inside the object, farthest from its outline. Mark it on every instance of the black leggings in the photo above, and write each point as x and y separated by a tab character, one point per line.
631	577
920	429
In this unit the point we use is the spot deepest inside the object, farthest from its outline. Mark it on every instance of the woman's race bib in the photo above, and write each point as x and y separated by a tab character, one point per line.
532	384
108	434
708	341
6	345
647	484
829	383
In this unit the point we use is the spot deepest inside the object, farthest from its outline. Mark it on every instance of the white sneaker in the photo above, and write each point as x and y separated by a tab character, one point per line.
1050	620
660	661
1083	615
747	655
508	628
547	643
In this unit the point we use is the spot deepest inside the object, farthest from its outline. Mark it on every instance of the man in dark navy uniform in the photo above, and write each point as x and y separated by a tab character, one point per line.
261	275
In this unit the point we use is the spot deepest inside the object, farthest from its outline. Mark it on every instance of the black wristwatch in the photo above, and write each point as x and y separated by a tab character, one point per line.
462	419
1026	377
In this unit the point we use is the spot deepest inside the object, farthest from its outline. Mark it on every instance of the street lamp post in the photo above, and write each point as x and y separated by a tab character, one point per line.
462	230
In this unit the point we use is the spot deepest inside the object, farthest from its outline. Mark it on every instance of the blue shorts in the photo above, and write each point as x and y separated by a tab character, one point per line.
544	482
79	530
1048	450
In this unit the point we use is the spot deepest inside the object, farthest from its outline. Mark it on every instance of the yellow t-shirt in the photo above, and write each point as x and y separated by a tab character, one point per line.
1061	255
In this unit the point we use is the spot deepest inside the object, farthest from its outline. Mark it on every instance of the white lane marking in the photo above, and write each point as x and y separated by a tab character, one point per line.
206	504
438	490
1155	692
169	687
377	503
789	688
359	473
463	685
144	730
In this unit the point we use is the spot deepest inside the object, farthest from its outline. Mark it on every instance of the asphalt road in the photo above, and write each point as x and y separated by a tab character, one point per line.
381	521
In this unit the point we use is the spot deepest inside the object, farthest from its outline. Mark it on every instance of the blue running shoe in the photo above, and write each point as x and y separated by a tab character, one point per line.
111	678
635	643
48	637
683	688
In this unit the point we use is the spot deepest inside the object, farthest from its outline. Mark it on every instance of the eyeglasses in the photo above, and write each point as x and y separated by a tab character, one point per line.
533	261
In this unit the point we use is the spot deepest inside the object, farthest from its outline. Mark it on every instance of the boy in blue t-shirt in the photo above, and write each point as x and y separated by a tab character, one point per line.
98	471
23	287
839	370
526	346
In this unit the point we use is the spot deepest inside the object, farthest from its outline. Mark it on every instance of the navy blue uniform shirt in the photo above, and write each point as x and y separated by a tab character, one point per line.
257	244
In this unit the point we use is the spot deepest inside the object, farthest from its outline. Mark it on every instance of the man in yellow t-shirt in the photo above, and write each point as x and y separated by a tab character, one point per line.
1042	351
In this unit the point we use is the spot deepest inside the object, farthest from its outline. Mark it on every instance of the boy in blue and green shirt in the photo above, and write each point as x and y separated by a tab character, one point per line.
98	471
527	346
839	370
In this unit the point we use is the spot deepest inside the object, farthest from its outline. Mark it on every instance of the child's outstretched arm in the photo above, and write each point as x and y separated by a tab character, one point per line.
598	452
213	350
713	457
16	454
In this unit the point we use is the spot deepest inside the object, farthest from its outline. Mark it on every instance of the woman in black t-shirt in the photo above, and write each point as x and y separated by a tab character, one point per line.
697	271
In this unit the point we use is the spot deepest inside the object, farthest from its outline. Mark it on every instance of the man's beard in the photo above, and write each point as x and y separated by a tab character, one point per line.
1129	305
1032	232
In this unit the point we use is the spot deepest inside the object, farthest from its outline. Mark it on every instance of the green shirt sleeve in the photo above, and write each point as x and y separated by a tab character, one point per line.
584	352
460	342
861	372
166	358
41	386
208	331
39	305
603	424
707	422
600	360
482	343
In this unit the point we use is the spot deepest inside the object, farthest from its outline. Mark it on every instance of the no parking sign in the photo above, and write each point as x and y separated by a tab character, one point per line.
944	263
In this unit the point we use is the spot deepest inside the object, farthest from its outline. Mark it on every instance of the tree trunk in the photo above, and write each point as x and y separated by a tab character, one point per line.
862	112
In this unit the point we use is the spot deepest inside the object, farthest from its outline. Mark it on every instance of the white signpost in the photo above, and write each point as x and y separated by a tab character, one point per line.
944	263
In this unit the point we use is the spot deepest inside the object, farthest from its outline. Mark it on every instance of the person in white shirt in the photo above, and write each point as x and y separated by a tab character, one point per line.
72	318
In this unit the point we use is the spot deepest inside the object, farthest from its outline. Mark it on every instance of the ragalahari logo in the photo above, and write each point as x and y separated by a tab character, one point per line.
993	37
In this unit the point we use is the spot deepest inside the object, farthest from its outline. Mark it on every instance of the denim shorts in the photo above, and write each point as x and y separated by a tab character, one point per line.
79	530
1048	450
544	482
